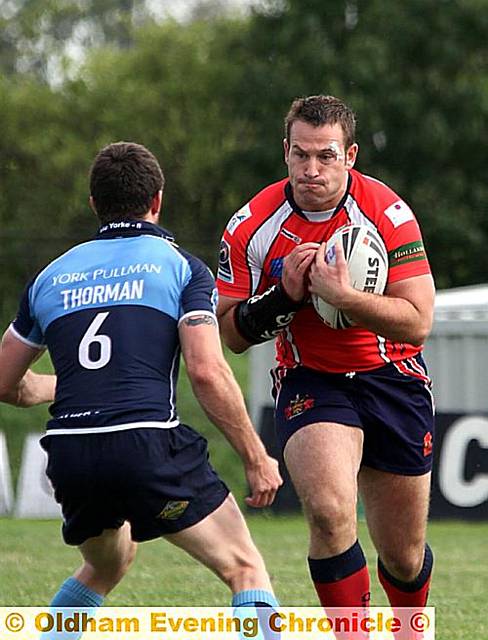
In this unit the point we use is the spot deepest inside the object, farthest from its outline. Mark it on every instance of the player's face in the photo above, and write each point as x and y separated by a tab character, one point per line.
318	165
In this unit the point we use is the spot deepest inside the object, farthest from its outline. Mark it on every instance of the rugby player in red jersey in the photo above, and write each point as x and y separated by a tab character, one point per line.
353	406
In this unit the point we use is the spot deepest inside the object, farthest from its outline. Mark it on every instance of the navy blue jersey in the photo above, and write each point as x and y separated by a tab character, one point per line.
108	311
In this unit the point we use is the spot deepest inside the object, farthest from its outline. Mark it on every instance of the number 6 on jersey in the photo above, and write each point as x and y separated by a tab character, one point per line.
91	338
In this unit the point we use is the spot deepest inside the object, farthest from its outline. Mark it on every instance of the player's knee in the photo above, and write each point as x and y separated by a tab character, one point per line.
112	569
405	564
331	518
242	567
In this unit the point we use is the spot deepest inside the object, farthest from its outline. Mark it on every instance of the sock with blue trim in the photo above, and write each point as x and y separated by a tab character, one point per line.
257	620
74	595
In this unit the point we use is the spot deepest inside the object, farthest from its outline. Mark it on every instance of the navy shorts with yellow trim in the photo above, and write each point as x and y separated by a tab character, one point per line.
160	480
392	405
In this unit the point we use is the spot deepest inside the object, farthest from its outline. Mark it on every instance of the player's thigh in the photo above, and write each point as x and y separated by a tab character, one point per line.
396	509
113	550
220	541
323	460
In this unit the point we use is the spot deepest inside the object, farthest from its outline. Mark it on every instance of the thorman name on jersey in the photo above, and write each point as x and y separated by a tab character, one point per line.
103	293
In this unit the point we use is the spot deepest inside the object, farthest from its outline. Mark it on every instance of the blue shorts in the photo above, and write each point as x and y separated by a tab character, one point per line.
392	405
160	480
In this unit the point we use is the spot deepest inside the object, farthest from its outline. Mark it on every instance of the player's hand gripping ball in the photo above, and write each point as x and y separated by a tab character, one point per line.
367	261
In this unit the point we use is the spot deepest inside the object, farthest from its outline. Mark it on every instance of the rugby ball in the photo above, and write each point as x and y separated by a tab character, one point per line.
367	261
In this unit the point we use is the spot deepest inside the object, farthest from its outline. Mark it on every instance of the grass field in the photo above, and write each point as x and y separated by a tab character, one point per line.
34	561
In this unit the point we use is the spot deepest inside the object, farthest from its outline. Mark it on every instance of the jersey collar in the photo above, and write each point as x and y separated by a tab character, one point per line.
296	208
130	229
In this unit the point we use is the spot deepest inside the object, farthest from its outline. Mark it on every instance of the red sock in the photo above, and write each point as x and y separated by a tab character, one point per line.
408	594
342	582
351	591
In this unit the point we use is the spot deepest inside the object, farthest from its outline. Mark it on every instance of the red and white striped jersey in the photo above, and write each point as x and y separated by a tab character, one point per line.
267	228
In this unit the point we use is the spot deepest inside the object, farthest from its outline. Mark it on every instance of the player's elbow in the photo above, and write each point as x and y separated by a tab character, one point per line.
229	333
7	394
232	338
420	333
206	375
235	343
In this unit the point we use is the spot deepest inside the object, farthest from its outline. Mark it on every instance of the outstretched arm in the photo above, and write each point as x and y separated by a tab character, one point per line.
219	395
18	384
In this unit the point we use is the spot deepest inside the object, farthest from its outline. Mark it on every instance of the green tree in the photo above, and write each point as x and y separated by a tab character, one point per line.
415	73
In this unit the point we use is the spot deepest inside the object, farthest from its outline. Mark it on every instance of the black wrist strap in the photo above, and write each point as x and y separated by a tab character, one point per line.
262	317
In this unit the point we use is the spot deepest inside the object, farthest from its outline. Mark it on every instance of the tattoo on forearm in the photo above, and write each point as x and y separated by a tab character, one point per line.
193	321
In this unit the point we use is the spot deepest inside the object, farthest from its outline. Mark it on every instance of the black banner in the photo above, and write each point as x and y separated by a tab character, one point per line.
460	472
460	477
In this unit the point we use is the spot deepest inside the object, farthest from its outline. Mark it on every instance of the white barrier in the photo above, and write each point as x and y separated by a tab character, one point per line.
6	495
35	496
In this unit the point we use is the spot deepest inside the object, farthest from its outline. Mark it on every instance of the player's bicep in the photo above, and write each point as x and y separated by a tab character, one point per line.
200	342
226	305
15	358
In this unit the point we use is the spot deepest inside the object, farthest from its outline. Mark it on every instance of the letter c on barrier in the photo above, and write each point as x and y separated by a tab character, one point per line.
455	488
276	622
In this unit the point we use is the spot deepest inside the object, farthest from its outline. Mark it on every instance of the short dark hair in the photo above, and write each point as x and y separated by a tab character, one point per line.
124	178
320	110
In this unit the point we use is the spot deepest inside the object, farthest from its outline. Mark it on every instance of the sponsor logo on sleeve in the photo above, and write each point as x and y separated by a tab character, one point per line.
214	299
225	267
410	252
238	218
399	212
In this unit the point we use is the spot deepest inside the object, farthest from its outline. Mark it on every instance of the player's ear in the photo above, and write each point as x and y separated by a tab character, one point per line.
351	155
157	202
286	148
91	202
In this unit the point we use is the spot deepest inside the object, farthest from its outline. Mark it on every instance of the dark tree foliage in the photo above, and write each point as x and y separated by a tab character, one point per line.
209	96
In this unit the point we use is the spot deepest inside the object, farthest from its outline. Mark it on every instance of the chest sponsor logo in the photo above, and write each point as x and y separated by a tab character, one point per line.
225	267
173	509
399	212
298	406
238	218
291	236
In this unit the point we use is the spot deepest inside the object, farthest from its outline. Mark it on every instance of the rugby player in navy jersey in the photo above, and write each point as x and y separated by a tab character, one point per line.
114	313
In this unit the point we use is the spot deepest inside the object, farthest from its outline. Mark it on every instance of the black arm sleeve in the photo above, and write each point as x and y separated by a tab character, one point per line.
262	317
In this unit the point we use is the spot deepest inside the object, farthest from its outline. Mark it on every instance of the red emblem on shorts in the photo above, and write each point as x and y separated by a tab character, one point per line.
427	444
298	406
